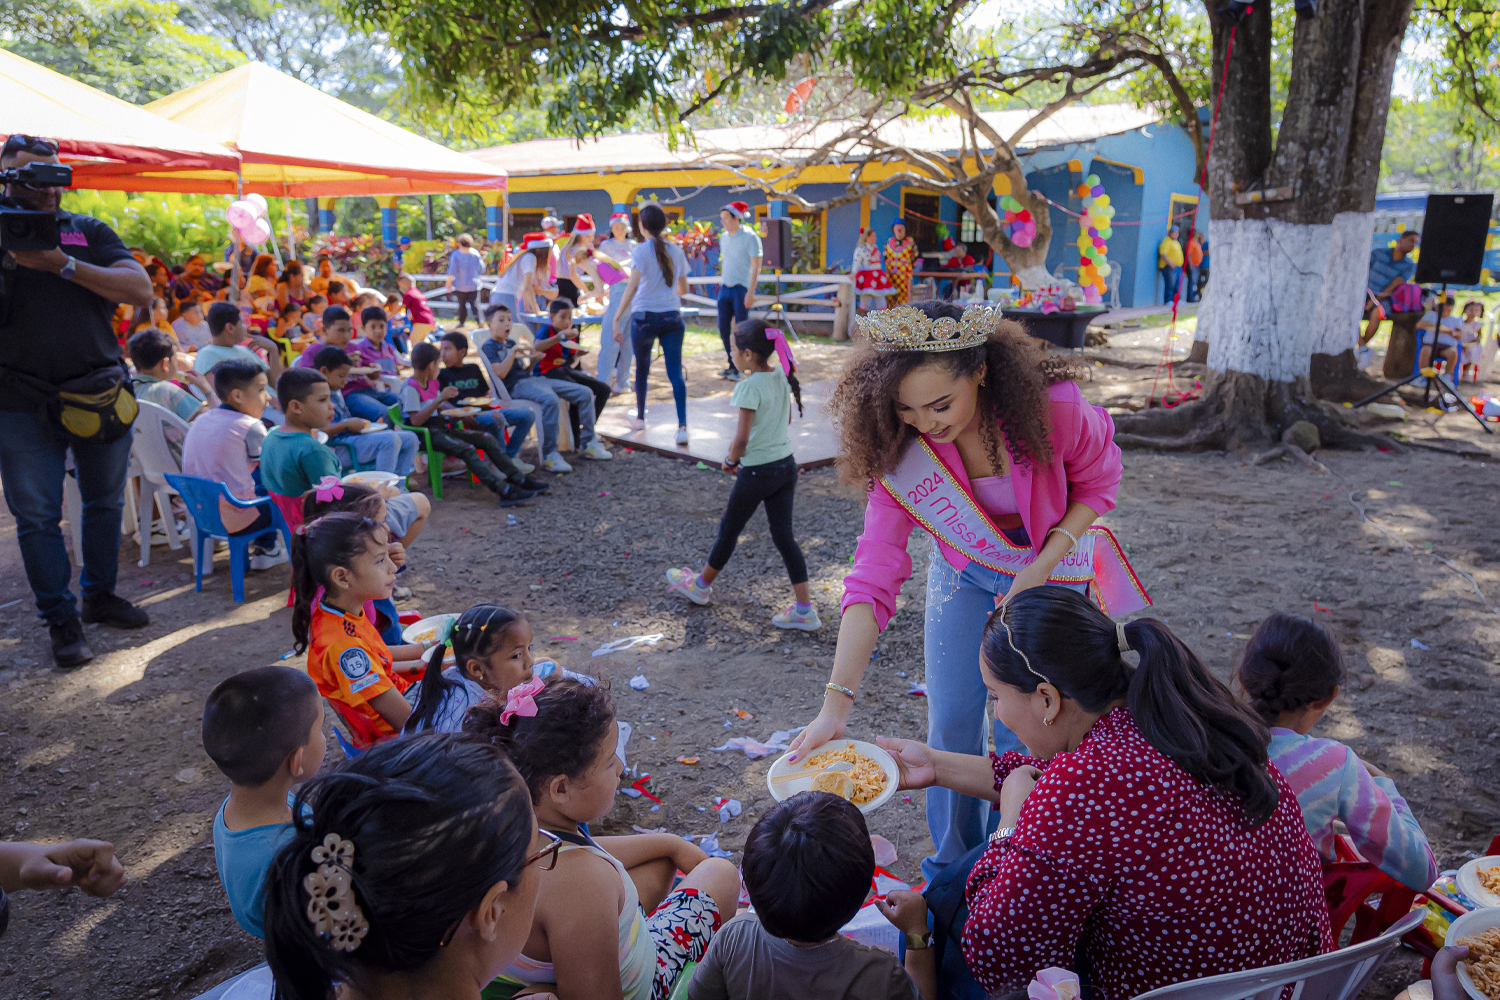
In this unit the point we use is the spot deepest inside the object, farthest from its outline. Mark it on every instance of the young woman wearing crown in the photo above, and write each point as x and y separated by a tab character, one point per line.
963	427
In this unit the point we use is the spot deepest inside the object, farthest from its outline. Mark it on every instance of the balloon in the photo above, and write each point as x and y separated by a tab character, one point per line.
258	232
1097	190
1091	295
260	208
1102	200
1092	231
1091	180
1083	191
1104	270
1025	215
240	214
1010	216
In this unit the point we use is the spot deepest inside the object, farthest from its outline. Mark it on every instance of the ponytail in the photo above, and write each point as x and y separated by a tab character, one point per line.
654	223
751	336
1182	710
475	635
318	546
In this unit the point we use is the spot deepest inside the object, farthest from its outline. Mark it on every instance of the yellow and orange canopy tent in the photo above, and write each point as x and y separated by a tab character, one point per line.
296	141
111	144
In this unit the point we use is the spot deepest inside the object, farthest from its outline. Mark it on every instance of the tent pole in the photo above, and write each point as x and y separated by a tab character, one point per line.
234	271
291	235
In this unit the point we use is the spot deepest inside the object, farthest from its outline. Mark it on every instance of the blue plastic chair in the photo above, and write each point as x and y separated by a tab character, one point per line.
202	497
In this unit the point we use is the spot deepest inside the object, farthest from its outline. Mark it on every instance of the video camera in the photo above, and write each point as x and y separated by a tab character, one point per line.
21	229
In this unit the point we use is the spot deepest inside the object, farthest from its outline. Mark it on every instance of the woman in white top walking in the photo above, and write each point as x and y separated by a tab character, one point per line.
517	285
652	300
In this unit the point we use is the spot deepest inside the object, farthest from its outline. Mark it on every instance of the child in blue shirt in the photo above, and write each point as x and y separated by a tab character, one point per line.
389	450
263	728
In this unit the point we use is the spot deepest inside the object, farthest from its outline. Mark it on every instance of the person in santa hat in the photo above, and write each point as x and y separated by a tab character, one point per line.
518	286
568	279
612	261
740	257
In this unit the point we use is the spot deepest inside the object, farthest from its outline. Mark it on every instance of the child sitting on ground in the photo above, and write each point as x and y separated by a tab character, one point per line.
191	327
808	868
469	380
155	360
224	446
388	450
263	729
340	561
492	654
422	398
1291	671
291	457
563	738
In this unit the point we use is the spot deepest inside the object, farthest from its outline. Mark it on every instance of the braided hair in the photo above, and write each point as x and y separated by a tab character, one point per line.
1291	661
474	636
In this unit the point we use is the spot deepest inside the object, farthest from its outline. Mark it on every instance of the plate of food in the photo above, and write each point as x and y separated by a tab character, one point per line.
374	428
461	411
1480	930
366	370
373	478
860	772
426	629
477	401
1480	880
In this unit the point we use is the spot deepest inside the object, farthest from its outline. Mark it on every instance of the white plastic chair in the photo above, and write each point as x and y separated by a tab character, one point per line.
154	458
1338	975
498	390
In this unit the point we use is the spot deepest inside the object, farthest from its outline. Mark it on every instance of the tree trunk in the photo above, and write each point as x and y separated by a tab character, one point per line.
1288	276
1029	264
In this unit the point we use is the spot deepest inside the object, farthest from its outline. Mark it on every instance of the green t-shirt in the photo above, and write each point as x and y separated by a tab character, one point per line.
768	394
291	462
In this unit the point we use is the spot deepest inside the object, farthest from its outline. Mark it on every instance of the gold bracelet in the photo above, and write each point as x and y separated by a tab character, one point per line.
1068	533
840	689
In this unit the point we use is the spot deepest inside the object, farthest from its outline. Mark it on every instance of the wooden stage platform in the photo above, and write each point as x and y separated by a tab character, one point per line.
711	424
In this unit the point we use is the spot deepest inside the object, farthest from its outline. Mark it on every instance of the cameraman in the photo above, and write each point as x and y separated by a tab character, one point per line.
54	327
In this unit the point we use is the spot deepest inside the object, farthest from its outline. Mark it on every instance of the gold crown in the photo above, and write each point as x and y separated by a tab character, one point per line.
906	328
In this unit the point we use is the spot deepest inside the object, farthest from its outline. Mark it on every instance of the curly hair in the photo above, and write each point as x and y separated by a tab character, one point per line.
1289	662
571	719
873	437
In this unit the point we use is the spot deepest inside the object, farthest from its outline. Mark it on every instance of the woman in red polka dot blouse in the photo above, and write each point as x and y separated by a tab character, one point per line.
1148	840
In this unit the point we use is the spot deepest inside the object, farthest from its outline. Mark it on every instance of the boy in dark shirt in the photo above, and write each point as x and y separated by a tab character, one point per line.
470	382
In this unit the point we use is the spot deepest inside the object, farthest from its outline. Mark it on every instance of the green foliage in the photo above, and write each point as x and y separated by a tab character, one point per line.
133	49
1467	34
1425	151
170	226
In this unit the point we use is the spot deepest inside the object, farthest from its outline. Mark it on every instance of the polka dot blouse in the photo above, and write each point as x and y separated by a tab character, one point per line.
1128	870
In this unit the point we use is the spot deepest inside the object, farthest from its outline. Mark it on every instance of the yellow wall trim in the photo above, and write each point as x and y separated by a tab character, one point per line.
1140	175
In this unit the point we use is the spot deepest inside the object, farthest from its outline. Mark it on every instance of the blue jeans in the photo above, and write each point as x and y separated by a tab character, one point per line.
1192	288
547	391
614	359
390	451
731	311
1170	277
371	404
31	470
958	605
647	327
520	418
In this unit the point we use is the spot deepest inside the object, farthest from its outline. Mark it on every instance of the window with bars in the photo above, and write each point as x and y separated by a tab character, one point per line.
968	228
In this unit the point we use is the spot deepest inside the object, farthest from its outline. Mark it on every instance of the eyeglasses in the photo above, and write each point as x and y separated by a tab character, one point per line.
554	844
19	143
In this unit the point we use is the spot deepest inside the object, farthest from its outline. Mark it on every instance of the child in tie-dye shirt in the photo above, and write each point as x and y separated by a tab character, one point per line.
1291	672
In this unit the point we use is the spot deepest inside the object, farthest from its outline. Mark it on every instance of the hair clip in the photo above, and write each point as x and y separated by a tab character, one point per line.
783	349
328	489
1120	637
331	907
1011	639
521	700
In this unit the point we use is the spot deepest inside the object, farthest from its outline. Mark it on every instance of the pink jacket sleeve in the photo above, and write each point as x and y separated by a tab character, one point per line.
1084	435
881	564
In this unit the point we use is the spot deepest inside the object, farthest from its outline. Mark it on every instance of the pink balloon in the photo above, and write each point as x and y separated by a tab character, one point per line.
256	233
240	214
257	204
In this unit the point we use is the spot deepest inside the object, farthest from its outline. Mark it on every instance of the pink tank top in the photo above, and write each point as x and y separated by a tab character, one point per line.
996	495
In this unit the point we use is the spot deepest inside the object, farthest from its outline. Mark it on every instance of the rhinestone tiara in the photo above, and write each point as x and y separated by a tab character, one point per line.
906	328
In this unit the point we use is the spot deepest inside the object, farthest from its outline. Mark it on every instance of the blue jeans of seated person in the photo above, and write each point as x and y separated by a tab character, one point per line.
547	391
958	605
519	418
371	404
390	451
31	471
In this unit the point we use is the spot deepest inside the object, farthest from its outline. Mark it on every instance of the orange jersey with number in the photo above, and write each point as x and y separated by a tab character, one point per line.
351	665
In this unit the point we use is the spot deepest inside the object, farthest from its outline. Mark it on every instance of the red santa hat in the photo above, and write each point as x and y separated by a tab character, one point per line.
738	209
583	225
533	241
947	244
623	217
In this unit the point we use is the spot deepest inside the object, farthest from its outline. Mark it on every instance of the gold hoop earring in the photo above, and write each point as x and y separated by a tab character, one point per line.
1047	721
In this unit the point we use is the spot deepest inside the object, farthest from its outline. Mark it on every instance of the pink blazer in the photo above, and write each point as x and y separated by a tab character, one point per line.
1085	467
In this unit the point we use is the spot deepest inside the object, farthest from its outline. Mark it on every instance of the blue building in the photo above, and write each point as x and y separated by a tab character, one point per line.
1145	165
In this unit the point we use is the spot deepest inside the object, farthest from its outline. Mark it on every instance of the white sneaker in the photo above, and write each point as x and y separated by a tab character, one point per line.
620	387
526	467
637	424
555	463
265	559
682	435
597	452
685	582
791	619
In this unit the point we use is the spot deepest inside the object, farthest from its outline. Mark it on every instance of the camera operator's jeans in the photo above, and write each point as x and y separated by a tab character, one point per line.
31	470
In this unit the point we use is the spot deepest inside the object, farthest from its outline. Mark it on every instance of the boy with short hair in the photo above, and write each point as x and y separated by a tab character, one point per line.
263	729
226	330
155	360
224	445
372	397
191	327
808	868
389	450
421	400
337	331
469	380
292	459
560	361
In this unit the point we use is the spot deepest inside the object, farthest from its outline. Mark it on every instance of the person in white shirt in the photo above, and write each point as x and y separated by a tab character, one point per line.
191	328
652	300
517	289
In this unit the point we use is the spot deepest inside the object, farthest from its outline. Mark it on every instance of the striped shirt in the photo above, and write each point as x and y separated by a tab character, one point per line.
1332	784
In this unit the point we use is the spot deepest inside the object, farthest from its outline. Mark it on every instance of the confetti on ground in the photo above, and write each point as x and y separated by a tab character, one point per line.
147	583
565	638
1319	607
639	682
619	645
743	714
728	809
687	760
919	689
1417	644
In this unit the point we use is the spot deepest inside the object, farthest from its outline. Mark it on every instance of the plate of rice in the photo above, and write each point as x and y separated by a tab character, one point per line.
1480	880
870	785
1480	931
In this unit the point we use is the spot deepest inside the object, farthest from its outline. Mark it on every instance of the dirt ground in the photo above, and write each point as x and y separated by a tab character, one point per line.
113	750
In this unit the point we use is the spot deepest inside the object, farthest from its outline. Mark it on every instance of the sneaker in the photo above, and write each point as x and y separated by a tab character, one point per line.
597	452
400	593
682	435
514	496
791	619
116	612
533	485
555	463
266	558
620	387
637	424
524	468
685	582
69	648
732	374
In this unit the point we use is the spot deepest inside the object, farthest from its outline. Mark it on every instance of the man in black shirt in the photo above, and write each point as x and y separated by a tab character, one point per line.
56	309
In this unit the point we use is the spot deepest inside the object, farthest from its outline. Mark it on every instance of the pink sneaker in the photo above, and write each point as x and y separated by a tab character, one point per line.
685	582
791	619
